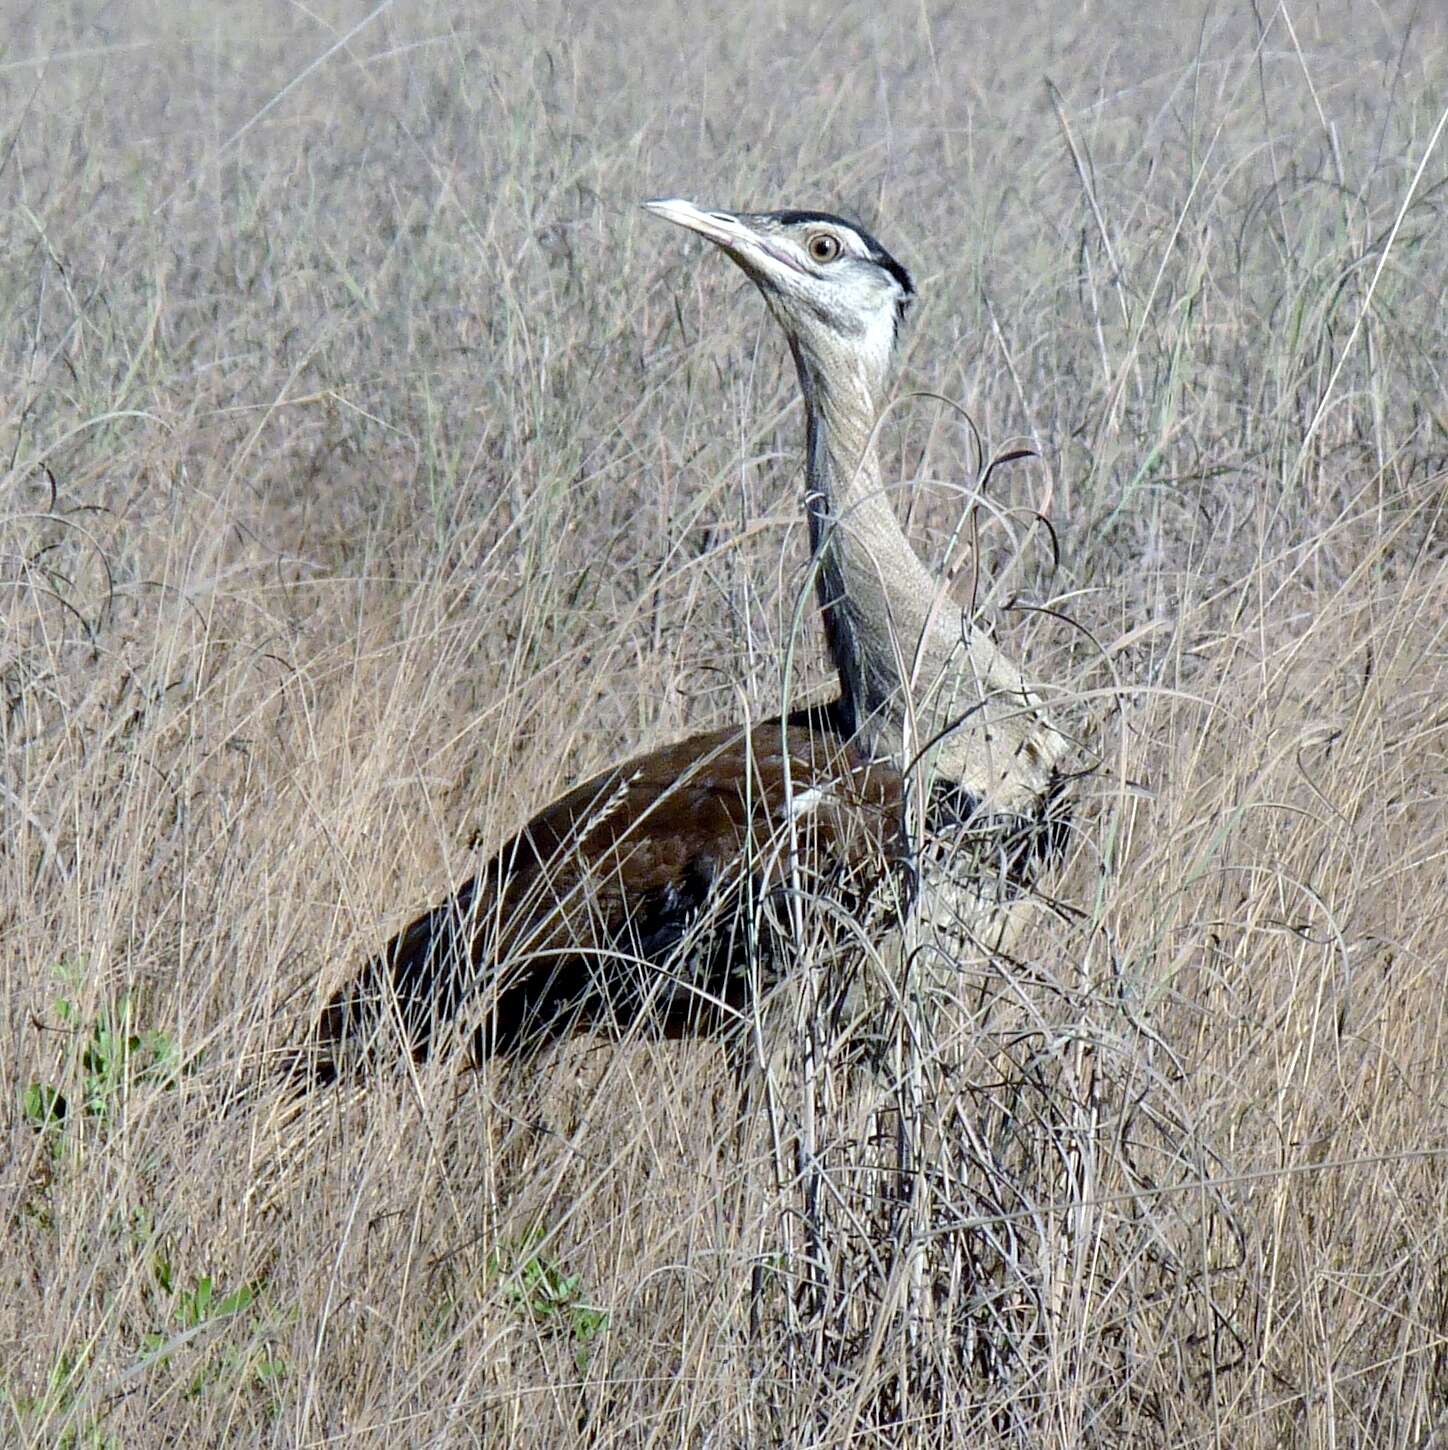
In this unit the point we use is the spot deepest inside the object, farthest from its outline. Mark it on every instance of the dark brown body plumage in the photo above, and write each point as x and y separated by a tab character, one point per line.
658	890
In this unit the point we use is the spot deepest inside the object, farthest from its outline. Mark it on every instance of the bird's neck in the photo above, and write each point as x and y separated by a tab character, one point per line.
868	578
889	622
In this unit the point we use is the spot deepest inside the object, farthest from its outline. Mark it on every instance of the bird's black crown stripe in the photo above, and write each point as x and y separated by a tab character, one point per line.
878	254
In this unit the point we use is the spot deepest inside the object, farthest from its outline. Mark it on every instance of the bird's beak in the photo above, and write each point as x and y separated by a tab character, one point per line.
721	227
752	251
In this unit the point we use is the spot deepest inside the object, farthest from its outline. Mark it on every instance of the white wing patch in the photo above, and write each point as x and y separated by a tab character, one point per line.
804	802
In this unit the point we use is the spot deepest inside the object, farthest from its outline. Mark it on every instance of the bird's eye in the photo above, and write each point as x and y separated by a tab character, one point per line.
823	247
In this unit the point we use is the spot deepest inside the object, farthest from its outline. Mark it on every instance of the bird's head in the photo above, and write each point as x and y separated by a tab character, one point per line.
830	284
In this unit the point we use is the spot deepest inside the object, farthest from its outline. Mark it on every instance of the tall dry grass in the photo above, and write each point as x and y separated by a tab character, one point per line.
374	469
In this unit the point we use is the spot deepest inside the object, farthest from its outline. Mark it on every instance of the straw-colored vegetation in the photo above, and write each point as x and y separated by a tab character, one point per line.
374	469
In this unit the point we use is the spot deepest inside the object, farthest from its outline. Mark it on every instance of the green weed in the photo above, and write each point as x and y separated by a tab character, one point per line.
538	1287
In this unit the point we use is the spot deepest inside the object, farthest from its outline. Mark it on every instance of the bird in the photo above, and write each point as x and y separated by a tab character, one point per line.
668	890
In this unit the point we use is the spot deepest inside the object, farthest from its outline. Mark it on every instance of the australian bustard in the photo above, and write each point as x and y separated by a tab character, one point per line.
656	889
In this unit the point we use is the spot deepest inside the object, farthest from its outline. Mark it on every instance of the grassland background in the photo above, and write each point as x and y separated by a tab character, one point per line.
375	468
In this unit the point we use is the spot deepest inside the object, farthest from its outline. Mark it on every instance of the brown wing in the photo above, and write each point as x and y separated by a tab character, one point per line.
653	890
